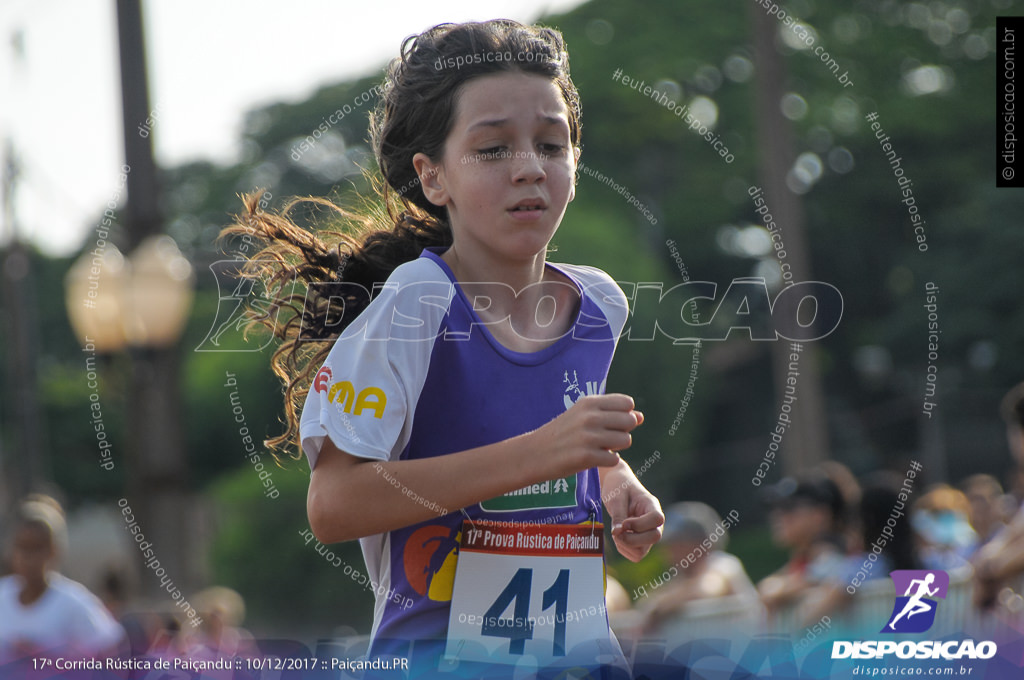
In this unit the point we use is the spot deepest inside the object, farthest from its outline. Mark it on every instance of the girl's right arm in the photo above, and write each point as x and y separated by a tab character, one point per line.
351	497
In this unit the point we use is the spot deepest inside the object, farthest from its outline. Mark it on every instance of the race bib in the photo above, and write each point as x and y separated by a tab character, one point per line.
527	591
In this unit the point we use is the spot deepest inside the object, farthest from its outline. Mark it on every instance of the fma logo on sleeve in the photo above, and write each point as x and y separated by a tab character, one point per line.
914	611
343	392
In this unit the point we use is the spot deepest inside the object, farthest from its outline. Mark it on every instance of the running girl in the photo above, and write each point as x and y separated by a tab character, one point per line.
458	425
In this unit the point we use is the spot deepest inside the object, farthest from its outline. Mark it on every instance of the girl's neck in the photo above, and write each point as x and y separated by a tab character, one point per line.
33	589
479	268
514	310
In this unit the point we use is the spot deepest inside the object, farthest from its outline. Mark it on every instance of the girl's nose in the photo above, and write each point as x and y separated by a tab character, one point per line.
527	167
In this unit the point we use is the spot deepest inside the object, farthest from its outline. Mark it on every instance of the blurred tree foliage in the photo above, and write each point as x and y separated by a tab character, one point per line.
925	68
264	550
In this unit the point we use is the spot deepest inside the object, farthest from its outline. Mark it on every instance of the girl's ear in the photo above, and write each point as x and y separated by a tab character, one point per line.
431	180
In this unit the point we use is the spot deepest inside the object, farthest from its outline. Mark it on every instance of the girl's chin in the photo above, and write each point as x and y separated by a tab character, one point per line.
513	241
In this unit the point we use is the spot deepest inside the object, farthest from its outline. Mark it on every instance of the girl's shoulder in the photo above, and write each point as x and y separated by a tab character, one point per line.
408	284
588	276
407	306
420	270
597	285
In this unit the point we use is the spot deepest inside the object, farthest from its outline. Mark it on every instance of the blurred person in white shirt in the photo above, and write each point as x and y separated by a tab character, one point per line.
41	612
694	540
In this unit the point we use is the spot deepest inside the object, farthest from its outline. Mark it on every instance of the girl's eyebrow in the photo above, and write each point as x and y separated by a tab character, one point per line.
497	122
555	120
501	122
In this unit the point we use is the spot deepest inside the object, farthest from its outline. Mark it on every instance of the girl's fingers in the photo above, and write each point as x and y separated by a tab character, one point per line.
623	421
614	440
632	548
635	539
648	521
615	402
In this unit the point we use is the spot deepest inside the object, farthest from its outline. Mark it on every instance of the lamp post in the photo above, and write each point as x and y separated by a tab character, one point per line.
141	304
20	472
151	294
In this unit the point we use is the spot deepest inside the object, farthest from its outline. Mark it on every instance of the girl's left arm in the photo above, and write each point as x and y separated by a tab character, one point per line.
636	514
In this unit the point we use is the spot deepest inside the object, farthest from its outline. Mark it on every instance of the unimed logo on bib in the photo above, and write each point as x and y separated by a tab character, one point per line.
555	493
914	610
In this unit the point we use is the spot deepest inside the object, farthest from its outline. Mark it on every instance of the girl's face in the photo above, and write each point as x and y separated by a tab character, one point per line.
506	174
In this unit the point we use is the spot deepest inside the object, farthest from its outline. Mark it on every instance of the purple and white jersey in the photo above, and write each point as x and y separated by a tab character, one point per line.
417	375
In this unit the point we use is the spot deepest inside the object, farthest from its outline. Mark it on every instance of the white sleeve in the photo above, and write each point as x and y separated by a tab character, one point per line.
93	629
364	395
605	292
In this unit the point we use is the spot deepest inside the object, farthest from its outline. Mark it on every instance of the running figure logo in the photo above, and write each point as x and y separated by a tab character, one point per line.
914	612
574	391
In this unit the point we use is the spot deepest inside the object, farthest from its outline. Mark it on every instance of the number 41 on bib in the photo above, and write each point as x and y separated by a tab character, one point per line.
534	590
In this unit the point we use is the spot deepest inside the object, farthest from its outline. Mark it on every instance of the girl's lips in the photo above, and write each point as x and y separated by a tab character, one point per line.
528	208
526	214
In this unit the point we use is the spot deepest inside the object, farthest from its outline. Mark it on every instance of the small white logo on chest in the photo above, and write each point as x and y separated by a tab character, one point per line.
573	391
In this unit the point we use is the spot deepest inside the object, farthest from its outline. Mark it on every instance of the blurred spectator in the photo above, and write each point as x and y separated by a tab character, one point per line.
945	537
999	564
616	599
846	524
879	502
623	619
41	612
805	515
881	546
987	511
112	591
166	638
892	548
694	540
141	628
222	611
1012	411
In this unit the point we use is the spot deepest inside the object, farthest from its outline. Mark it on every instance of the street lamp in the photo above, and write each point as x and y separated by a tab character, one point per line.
140	304
160	294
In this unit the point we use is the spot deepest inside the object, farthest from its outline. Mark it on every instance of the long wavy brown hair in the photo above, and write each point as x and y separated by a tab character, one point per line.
396	222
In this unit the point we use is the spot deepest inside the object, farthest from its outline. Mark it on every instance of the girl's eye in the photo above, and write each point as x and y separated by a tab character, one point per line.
552	149
492	153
